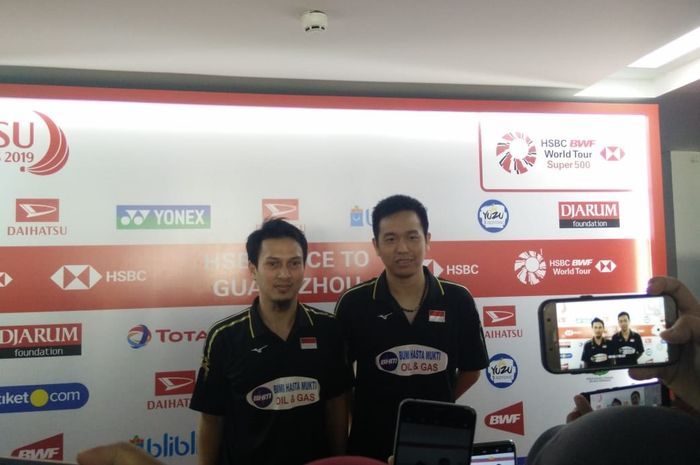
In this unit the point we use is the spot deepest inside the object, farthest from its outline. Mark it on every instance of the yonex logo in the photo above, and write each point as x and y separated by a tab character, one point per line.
530	267
76	277
163	217
280	208
605	266
5	279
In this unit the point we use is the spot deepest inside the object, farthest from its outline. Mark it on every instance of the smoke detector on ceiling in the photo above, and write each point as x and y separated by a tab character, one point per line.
314	21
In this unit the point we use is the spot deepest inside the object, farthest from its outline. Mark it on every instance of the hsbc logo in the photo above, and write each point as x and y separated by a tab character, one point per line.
36	210
605	266
433	266
170	383
47	449
280	208
499	315
76	277
510	419
5	279
612	153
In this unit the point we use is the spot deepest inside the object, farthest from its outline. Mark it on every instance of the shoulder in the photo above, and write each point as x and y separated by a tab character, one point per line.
452	289
361	292
317	315
229	325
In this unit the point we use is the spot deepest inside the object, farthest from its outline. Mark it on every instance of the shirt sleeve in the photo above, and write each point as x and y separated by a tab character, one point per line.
472	353
209	394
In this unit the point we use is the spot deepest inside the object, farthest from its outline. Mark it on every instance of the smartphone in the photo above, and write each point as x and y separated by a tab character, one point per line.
494	453
650	394
433	433
589	334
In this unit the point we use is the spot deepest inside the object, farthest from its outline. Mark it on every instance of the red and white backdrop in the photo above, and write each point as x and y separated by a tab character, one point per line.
123	216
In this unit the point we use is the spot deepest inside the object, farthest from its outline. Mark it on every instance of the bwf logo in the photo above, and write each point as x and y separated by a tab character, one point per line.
510	419
47	449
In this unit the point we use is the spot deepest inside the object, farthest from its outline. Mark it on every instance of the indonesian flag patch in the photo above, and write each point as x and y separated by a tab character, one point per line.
436	316
308	343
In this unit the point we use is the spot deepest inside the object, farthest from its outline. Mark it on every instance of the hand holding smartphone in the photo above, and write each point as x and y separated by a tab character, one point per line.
433	433
588	334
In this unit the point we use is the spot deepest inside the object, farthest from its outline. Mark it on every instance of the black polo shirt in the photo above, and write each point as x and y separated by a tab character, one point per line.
626	351
398	360
596	355
272	392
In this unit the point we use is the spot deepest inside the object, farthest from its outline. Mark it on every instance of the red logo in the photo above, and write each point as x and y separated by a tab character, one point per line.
280	208
509	419
41	335
589	210
36	210
612	153
51	162
170	383
516	153
46	449
308	343
499	315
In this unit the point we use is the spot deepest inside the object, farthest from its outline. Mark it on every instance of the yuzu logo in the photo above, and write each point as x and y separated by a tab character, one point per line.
34	398
17	139
516	153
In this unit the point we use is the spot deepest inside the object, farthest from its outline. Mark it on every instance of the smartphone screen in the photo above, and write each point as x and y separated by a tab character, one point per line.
494	453
433	433
604	333
648	394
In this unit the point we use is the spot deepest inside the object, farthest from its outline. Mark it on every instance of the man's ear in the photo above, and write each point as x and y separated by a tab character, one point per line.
374	243
252	268
427	241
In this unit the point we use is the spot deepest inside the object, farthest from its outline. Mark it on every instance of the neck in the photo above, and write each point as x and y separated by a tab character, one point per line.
278	317
410	287
626	333
598	340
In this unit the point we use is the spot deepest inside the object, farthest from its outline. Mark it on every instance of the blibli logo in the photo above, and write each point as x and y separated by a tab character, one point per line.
67	396
167	445
163	216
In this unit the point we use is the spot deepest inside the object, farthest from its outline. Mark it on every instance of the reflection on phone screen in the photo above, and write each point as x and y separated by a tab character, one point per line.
649	395
421	444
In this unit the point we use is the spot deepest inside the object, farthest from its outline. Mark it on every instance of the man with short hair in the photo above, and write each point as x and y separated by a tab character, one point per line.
272	386
627	346
411	334
635	397
596	350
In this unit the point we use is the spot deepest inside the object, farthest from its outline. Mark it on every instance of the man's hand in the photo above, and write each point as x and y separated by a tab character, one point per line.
116	454
582	407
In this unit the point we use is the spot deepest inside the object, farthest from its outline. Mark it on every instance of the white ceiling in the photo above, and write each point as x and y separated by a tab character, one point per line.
537	43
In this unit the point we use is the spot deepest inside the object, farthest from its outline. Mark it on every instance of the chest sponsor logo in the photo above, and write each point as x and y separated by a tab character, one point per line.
502	371
47	449
308	343
285	393
436	316
412	359
510	419
499	315
50	340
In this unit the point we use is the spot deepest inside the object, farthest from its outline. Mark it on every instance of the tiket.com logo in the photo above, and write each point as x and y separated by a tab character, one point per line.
168	445
516	153
47	449
163	216
49	340
612	153
589	215
605	266
17	142
280	208
76	277
510	419
36	210
530	267
5	279
36	398
499	315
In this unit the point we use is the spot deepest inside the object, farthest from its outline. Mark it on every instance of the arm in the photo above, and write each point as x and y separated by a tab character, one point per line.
211	428
337	423
465	380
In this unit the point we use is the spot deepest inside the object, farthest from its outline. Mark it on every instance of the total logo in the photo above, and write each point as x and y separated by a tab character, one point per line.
48	340
510	419
163	216
493	216
452	270
20	146
500	316
37	211
84	277
516	153
502	371
36	398
589	215
530	267
5	279
172	383
50	448
139	336
360	217
168	445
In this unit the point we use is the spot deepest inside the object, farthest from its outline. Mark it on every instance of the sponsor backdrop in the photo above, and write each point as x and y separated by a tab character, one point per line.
123	216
